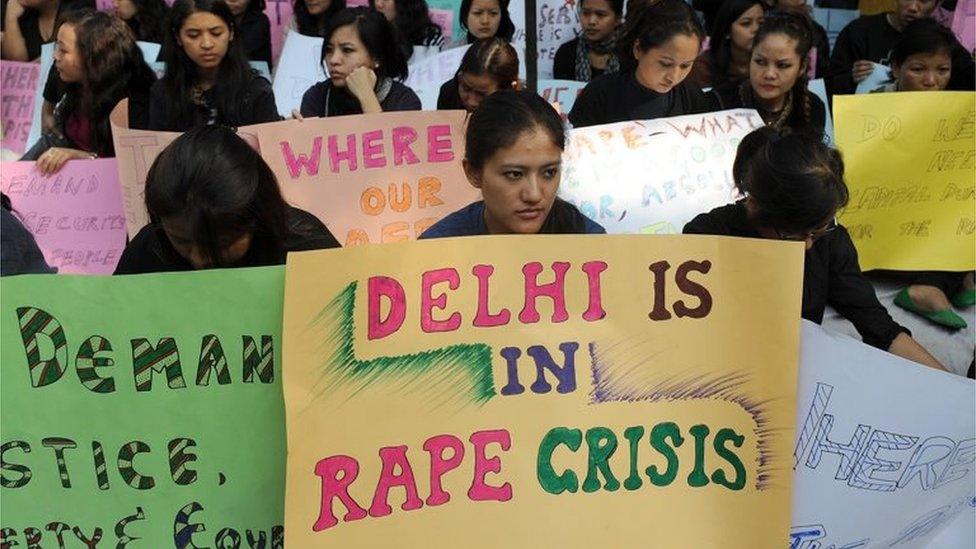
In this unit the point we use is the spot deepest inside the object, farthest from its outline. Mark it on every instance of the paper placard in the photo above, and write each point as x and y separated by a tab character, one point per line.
298	69
18	87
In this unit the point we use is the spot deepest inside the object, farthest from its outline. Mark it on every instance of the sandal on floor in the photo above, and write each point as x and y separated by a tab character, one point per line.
964	299
947	317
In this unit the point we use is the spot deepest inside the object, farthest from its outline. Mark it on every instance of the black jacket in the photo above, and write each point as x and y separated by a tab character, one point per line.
831	275
259	107
618	97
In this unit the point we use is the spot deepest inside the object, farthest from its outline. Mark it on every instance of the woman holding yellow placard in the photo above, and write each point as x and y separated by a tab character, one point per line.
921	60
794	186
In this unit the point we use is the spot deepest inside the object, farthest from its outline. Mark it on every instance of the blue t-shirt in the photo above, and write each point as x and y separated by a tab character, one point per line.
470	221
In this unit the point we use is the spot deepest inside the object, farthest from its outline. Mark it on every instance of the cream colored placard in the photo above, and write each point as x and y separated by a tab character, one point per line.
542	391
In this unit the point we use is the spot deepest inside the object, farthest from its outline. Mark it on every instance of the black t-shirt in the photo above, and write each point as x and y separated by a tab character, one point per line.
871	38
618	97
30	20
341	102
255	32
831	275
728	96
259	107
150	251
564	64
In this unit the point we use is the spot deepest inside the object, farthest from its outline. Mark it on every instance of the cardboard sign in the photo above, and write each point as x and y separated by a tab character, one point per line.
653	176
298	69
438	391
18	86
563	92
75	215
279	14
432	71
909	165
884	450
371	178
143	410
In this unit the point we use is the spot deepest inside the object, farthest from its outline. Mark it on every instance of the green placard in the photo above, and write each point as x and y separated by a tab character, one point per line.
144	408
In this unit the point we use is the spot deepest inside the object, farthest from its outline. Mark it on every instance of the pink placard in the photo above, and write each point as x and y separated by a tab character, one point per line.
445	20
964	23
279	14
76	215
18	88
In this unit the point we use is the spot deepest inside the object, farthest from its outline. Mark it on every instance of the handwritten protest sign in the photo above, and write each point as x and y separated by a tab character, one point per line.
371	178
563	92
18	86
654	176
298	69
135	151
75	215
910	159
444	18
884	449
558	22
964	23
554	389
144	409
434	70
279	15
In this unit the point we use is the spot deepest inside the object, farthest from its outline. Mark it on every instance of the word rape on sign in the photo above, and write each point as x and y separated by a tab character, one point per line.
447	390
160	424
653	176
371	178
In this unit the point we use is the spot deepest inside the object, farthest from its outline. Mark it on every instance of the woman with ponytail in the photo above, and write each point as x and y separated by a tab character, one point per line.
513	154
793	186
777	84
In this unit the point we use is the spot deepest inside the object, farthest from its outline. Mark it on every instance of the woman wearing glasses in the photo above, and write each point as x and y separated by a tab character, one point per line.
794	186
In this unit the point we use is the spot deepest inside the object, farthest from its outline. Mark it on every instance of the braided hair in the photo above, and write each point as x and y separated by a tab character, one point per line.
798	28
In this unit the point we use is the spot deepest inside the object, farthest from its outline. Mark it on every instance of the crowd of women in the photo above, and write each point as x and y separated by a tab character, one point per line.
213	201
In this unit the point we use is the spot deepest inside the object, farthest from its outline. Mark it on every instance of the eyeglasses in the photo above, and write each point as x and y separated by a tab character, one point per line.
812	235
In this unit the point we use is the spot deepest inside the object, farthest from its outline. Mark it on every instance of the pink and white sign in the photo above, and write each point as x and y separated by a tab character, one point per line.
18	87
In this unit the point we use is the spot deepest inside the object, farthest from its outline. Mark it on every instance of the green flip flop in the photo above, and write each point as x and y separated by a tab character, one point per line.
964	299
947	317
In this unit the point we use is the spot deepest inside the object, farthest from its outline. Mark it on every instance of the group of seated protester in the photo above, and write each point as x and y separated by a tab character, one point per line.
213	201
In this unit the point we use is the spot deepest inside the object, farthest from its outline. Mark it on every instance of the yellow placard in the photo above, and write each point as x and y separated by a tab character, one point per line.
910	169
542	391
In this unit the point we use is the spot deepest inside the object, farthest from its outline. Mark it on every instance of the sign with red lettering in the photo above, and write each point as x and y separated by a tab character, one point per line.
542	391
371	178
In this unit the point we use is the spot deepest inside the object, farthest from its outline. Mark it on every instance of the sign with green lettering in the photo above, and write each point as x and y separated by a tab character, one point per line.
142	408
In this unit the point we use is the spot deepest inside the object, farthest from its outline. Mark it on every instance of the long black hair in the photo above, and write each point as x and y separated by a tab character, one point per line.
796	181
230	88
377	34
506	28
654	25
720	42
800	29
498	122
114	69
220	188
493	57
315	25
923	36
413	25
149	21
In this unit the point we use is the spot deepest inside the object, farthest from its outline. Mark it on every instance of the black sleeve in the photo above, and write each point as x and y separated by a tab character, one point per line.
307	232
257	38
714	101
157	108
590	108
449	98
53	89
564	64
822	44
690	100
854	297
705	223
962	78
839	79
401	98
139	111
141	255
263	107
313	102
818	114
